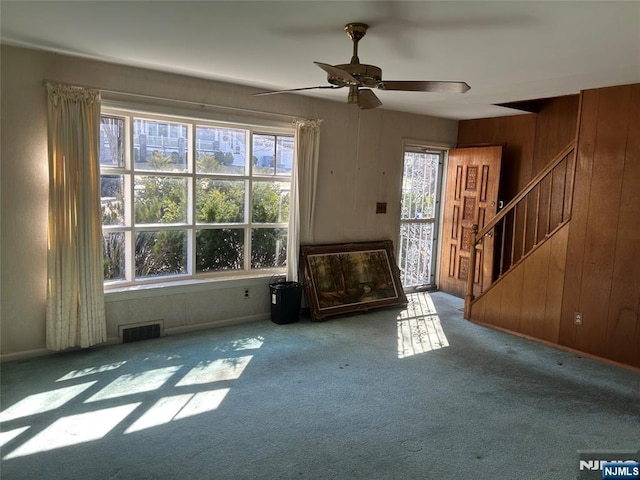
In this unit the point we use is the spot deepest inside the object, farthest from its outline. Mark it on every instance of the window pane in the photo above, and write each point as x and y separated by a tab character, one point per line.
220	150
113	263
284	155
419	185
160	199
159	146
270	202
268	247
264	154
111	141
112	199
272	154
219	201
415	251
161	253
219	249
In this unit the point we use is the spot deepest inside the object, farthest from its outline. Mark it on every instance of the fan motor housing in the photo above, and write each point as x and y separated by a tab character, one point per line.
368	75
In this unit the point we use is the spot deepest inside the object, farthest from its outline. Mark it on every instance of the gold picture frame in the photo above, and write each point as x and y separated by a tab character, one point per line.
343	278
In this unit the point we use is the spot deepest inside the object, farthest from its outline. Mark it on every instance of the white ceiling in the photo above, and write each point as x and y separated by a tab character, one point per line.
505	50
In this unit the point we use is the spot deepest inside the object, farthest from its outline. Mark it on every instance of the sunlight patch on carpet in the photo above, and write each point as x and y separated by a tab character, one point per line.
215	371
6	437
177	407
43	402
87	412
419	328
247	343
90	371
74	429
135	383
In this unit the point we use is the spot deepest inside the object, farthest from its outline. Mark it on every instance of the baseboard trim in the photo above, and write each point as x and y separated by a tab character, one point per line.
41	352
559	347
216	324
25	355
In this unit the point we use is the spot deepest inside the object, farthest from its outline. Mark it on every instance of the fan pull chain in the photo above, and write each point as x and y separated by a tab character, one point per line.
355	197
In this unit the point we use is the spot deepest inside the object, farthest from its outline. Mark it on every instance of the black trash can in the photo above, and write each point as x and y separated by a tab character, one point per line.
285	301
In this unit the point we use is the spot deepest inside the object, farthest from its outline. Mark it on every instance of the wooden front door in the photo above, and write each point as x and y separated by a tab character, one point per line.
471	197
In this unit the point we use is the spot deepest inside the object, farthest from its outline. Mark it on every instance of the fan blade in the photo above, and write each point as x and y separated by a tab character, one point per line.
338	73
273	92
435	87
367	99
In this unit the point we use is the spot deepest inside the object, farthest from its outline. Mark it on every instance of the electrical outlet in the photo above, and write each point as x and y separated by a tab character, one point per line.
246	293
577	318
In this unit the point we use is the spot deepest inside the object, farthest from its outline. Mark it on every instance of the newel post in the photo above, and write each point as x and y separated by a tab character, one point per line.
472	271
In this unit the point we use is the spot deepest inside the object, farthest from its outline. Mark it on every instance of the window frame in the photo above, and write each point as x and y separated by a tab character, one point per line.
192	226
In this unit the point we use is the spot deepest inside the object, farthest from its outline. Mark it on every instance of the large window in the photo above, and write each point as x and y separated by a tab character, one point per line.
185	198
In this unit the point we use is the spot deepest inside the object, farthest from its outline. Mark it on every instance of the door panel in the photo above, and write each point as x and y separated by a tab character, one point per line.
471	197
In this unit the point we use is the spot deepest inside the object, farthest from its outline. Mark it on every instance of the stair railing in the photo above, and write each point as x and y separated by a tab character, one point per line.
534	214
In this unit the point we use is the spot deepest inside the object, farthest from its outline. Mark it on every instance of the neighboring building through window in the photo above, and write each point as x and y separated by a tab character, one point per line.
187	198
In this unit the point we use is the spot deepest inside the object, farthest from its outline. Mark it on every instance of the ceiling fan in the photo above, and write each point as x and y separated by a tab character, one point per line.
361	78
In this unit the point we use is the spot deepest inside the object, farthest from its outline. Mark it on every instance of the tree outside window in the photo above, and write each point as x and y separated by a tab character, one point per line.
173	212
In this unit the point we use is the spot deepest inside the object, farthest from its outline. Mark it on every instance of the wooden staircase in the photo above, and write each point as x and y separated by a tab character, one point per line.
525	224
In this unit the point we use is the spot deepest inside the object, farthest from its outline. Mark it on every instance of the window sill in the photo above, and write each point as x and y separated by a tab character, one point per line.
177	287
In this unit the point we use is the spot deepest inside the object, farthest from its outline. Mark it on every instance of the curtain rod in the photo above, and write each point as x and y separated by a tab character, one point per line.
47	82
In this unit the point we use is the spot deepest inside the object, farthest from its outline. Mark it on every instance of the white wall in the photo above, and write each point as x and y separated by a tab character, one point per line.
353	176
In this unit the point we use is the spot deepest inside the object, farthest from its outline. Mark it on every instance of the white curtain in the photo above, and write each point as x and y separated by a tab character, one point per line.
303	191
75	298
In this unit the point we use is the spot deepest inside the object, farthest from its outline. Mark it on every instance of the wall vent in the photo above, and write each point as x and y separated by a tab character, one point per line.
137	332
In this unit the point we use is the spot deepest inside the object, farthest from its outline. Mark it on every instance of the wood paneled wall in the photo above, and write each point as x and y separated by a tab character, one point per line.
602	278
517	135
555	127
601	267
530	142
528	299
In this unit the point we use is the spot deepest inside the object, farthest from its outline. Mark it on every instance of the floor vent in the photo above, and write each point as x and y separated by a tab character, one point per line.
142	332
